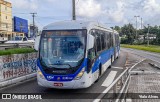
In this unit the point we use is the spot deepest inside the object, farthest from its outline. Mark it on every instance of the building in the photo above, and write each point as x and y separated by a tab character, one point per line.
31	33
5	16
6	25
151	37
20	25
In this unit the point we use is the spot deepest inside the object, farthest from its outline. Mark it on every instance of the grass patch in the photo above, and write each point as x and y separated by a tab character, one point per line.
16	51
150	48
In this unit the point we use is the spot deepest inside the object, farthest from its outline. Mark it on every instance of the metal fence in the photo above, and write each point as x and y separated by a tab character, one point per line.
116	92
5	46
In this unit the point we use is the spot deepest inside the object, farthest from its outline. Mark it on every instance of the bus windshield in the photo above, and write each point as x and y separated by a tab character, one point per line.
62	49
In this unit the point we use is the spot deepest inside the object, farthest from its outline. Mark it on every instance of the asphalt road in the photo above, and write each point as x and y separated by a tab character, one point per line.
148	55
96	89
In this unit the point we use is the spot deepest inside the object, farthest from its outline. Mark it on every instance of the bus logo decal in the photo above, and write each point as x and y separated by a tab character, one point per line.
58	78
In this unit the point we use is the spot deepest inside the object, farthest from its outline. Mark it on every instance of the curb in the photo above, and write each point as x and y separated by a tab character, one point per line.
16	80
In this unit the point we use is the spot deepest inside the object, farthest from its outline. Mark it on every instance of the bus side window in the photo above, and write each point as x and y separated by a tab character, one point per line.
93	33
98	41
108	40
103	40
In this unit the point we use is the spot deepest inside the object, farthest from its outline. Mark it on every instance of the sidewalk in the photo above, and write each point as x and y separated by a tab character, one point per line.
145	79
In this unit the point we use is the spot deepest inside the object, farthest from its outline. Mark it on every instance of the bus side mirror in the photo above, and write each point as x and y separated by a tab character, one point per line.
36	44
89	60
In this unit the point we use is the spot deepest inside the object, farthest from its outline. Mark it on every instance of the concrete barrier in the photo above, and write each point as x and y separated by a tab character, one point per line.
17	67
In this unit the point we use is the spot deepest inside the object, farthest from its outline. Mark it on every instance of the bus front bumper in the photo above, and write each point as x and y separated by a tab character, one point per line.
74	84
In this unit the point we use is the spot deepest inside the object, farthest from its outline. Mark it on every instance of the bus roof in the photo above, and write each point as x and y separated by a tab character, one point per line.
74	24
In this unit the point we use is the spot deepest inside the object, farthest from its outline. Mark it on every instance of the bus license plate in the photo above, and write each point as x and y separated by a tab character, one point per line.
58	84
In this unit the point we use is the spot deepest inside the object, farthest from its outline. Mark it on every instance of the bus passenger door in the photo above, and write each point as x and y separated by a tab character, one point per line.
91	55
91	58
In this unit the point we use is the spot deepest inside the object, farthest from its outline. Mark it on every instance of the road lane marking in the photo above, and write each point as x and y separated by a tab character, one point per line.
117	67
108	81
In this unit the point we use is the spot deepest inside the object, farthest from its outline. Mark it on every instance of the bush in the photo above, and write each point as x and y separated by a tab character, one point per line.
16	51
150	48
124	40
137	42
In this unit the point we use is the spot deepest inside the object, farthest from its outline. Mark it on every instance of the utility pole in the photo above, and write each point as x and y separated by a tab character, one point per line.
136	25
141	23
148	36
73	10
33	15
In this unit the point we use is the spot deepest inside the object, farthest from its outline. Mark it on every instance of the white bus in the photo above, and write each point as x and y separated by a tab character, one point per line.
74	54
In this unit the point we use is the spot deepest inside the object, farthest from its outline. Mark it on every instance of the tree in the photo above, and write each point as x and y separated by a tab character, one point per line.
129	31
118	29
158	36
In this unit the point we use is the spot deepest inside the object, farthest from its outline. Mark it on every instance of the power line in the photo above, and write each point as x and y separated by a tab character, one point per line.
50	17
39	23
77	2
20	13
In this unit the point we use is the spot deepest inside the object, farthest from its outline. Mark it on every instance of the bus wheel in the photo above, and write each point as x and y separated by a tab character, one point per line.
111	62
99	74
117	57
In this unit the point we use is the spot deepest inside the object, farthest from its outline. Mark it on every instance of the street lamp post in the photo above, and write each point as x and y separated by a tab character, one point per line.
136	25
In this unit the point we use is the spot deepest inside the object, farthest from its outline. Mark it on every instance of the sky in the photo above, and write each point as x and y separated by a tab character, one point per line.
108	12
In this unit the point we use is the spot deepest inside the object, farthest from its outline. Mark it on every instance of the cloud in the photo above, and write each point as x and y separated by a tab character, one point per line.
153	20
111	11
151	6
117	14
24	4
149	10
88	8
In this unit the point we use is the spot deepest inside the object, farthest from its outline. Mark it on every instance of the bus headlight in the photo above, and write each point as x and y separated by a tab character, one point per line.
80	74
40	74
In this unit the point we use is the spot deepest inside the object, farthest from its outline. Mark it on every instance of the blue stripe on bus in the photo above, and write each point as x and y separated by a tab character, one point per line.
103	58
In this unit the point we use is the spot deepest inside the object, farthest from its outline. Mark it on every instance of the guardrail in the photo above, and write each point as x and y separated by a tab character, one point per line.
116	91
5	46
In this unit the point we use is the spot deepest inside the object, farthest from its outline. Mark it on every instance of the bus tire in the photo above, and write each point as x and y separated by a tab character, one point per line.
100	70
111	62
117	57
118	54
99	73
